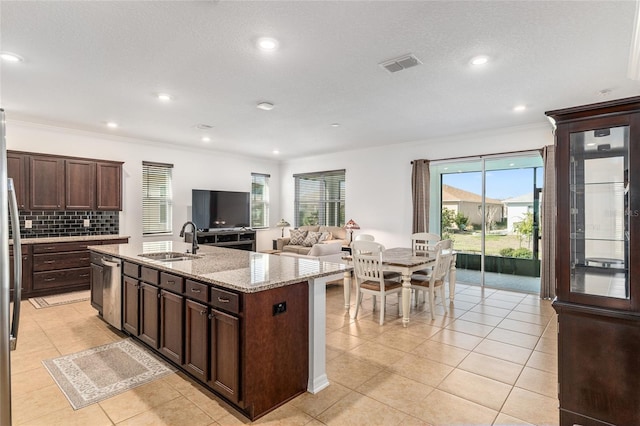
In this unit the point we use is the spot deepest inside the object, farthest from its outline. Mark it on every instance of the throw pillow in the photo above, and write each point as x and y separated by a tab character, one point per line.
325	236
311	239
325	249
297	237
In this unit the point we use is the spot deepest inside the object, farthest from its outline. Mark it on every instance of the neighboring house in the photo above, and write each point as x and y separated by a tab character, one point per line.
470	204
516	208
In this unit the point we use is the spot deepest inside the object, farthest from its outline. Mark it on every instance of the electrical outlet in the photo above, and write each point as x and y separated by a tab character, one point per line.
279	308
28	224
86	223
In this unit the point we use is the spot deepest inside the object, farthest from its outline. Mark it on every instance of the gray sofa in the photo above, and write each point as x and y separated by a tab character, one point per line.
337	234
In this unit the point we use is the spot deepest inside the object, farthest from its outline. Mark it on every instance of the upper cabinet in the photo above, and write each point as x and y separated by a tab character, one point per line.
598	164
50	182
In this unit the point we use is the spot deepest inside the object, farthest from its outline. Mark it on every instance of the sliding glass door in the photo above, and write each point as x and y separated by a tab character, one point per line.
489	208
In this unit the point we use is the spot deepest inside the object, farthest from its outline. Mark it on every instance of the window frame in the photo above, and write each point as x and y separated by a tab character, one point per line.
264	203
157	178
330	203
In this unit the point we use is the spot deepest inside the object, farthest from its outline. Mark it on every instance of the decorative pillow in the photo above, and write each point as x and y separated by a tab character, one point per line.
325	236
311	239
297	237
325	249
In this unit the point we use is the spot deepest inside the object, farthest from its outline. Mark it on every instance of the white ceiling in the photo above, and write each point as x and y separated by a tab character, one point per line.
86	63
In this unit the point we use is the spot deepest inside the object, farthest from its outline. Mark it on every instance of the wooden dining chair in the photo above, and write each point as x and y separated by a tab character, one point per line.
423	244
364	237
436	276
369	276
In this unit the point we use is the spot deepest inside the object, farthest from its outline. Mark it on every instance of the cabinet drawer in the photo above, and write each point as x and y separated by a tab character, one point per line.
57	247
61	279
131	269
96	258
197	291
149	275
226	300
171	282
50	262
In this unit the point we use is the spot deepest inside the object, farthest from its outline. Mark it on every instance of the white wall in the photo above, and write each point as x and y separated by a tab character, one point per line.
193	169
378	180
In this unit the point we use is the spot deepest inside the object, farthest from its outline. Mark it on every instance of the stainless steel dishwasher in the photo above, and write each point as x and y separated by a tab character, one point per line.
112	291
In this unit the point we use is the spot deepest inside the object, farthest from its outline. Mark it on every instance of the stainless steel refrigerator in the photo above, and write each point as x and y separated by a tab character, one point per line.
8	330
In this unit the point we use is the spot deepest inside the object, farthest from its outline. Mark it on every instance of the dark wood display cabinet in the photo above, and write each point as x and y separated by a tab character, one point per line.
598	262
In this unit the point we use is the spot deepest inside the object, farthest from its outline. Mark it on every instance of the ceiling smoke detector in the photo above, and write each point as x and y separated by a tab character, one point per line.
399	64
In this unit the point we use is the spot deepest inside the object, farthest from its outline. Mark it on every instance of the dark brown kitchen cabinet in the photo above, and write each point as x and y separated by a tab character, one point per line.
196	326
46	183
26	271
17	166
80	185
597	254
224	343
149	315
130	305
109	186
171	326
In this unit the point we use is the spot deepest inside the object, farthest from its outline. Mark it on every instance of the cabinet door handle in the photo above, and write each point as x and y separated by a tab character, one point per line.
158	295
195	290
84	275
49	279
203	312
84	258
171	282
49	261
223	300
210	316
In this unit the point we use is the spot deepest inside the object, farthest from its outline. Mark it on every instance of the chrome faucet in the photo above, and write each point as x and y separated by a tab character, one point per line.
194	240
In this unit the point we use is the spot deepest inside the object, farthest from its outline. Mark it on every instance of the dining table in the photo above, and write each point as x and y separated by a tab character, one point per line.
404	261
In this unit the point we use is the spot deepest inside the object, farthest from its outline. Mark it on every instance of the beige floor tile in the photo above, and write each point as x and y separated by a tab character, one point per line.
513	338
177	412
30	360
332	353
377	354
29	381
398	340
491	310
215	407
33	405
469	298
491	367
358	409
542	310
343	341
314	404
543	361
445	354
99	338
532	407
505	420
522	327
286	415
528	317
469	327
547	345
91	415
418	328
364	329
138	400
465	385
33	340
481	318
503	304
459	340
351	371
421	369
391	389
507	296
442	408
413	421
504	351
538	381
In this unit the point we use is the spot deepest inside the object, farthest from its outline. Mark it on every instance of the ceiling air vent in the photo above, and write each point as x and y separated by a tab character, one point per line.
402	63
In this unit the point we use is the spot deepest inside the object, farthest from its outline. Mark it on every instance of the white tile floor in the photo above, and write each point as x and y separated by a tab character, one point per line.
490	360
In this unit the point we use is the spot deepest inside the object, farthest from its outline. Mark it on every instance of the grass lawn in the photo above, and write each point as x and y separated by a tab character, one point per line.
470	243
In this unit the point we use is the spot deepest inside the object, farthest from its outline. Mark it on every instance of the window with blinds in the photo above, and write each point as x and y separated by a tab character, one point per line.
259	200
320	198
157	204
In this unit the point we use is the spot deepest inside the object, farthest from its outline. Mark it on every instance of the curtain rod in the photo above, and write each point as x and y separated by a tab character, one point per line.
470	157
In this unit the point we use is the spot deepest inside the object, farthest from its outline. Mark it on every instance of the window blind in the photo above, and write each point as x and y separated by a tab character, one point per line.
157	203
320	198
259	200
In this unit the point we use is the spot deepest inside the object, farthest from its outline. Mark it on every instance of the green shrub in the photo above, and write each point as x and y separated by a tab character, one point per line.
523	253
507	252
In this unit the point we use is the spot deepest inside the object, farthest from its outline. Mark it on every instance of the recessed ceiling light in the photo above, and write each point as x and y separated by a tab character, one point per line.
164	97
275	151
268	44
519	108
265	106
112	124
335	125
479	60
206	139
10	57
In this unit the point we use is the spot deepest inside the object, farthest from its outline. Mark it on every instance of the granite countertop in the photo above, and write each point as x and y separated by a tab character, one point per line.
49	240
240	270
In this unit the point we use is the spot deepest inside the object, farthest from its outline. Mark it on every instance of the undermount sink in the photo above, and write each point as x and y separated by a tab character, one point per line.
170	256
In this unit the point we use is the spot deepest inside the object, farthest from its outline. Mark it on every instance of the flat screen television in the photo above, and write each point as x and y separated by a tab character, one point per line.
220	209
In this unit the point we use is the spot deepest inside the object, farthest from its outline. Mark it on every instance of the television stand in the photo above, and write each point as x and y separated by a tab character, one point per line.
241	239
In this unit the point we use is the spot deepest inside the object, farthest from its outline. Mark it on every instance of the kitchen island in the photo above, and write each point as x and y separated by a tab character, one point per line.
249	326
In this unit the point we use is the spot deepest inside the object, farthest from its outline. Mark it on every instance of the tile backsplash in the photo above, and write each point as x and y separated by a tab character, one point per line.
67	224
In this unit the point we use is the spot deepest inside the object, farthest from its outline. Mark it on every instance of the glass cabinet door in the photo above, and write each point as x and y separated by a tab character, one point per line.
599	226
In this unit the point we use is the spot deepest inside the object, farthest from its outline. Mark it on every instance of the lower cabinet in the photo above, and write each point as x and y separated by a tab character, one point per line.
171	325
224	344
196	333
26	272
131	305
96	285
149	318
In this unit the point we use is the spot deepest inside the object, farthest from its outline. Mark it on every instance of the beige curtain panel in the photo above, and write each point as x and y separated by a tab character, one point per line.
420	181
548	244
